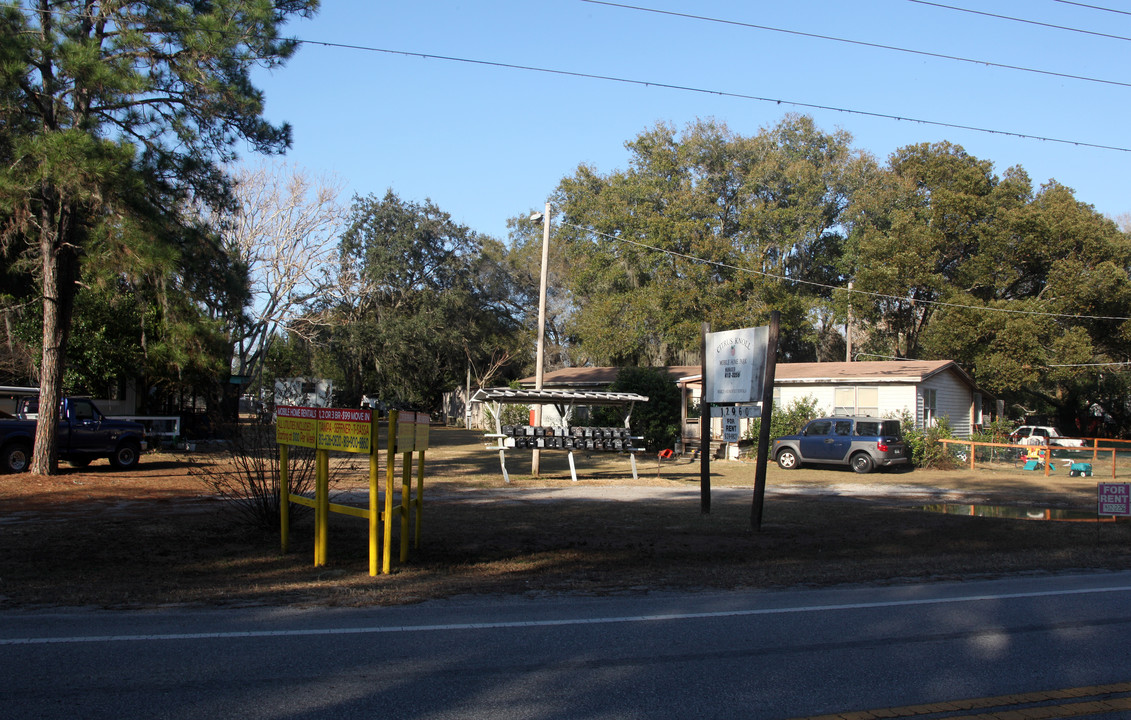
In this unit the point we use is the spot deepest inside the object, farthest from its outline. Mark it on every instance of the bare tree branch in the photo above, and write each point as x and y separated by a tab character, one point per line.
286	232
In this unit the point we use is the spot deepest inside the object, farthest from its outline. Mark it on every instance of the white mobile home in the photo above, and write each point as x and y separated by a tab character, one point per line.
924	389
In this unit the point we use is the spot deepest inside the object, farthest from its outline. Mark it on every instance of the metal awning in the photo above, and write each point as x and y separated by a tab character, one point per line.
563	400
506	395
13	390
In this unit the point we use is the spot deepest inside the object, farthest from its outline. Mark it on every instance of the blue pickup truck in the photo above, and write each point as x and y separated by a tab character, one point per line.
84	435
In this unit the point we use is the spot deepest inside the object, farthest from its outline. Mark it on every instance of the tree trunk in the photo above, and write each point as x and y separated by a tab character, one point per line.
60	271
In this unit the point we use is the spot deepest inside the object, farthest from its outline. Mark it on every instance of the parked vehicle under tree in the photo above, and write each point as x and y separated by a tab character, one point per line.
84	435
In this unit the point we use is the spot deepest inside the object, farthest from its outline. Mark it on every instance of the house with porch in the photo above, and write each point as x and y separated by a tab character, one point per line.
923	389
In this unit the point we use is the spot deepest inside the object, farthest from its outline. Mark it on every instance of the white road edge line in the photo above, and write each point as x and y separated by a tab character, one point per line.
546	623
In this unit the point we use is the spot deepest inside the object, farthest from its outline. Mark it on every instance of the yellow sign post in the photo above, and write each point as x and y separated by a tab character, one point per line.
355	431
297	426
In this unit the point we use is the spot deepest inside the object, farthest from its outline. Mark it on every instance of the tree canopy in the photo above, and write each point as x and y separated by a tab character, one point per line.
420	297
761	214
1027	289
283	232
118	217
117	116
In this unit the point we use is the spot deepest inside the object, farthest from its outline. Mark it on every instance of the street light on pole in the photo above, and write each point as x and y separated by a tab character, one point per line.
540	358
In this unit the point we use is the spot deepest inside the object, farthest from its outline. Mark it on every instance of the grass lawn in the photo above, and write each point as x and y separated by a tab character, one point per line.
155	536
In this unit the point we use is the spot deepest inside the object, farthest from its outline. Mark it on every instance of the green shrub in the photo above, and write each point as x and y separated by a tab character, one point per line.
926	450
787	420
995	432
515	415
656	420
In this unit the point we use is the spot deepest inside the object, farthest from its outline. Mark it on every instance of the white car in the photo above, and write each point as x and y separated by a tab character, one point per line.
1042	435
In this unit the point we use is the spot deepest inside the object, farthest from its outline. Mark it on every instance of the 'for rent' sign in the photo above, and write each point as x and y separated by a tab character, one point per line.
1114	499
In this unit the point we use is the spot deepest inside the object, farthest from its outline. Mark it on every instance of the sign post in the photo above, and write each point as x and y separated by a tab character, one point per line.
764	428
353	431
733	371
293	426
705	432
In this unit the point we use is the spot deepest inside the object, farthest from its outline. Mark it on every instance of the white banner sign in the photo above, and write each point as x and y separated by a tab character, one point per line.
736	362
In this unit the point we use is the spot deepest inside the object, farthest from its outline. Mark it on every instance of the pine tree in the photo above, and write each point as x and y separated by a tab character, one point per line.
114	116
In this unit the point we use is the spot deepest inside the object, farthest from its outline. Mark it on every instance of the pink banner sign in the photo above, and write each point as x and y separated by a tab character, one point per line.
345	429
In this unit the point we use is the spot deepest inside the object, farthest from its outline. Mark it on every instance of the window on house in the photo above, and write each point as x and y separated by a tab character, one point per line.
117	389
930	407
868	401
856	400
694	409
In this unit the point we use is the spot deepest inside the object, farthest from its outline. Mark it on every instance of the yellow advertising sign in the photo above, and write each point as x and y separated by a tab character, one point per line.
296	426
422	420
346	430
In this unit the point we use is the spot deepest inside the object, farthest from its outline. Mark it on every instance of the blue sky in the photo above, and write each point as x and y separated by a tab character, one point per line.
487	143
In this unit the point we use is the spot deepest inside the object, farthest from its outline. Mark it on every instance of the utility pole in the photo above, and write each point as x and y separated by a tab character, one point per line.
538	371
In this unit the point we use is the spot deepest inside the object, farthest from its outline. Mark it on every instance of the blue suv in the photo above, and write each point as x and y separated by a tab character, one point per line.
863	442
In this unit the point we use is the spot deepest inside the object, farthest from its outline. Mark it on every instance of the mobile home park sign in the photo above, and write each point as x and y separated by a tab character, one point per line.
735	365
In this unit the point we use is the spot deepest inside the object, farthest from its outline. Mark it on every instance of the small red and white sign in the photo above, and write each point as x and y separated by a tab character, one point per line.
1114	499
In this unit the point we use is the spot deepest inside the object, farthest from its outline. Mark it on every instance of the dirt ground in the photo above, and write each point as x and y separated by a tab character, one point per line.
159	535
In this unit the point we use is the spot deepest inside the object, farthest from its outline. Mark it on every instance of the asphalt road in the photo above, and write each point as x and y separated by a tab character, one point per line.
1012	643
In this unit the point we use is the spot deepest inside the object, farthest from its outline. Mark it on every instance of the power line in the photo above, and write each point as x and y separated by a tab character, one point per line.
1094	7
720	93
838	288
705	91
861	43
1021	20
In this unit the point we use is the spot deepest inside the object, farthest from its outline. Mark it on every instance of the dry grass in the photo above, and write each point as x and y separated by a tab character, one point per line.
96	537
